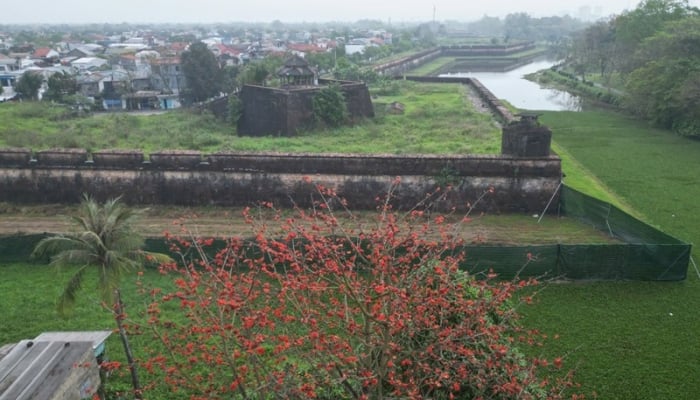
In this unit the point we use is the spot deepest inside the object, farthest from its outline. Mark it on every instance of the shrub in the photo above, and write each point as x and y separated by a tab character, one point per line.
235	109
329	107
318	308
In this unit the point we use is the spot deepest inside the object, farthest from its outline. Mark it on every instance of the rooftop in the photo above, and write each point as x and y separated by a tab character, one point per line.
54	365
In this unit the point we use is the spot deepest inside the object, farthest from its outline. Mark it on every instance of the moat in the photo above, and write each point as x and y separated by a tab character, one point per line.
522	93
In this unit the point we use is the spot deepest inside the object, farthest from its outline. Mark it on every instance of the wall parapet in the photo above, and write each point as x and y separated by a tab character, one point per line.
402	65
240	179
274	162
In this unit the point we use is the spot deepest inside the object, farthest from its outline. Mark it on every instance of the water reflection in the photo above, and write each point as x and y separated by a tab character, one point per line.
522	93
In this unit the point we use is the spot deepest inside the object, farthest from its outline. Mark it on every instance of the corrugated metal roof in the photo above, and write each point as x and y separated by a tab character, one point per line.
95	337
54	365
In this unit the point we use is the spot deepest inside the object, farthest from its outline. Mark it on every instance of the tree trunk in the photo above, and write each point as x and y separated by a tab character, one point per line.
119	316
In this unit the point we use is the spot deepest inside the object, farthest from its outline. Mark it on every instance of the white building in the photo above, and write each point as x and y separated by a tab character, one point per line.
88	63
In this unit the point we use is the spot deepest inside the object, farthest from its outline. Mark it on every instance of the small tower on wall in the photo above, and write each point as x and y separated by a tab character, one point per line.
296	72
525	137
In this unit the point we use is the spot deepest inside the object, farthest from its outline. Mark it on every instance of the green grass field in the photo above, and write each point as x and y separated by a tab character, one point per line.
629	340
438	119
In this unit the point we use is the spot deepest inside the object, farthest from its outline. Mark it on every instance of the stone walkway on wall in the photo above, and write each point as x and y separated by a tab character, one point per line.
479	104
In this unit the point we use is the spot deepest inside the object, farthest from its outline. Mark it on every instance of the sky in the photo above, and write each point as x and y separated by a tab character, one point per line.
209	11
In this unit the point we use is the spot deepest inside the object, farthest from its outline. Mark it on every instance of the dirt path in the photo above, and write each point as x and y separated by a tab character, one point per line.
209	223
226	222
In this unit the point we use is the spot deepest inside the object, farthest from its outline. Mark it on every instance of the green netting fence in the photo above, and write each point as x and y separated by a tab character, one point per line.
645	253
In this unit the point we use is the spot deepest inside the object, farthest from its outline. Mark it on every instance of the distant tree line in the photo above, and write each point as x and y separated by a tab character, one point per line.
653	54
521	26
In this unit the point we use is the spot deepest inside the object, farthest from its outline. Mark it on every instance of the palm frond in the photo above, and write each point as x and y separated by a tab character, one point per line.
107	283
71	257
67	299
55	244
90	214
156	258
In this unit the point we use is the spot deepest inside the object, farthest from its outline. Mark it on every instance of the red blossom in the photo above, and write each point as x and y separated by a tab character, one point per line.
312	308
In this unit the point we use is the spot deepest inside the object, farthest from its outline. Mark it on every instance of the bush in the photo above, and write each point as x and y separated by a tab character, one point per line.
388	87
312	306
235	109
329	107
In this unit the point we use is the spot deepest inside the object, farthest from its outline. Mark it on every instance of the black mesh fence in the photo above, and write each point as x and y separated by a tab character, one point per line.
645	253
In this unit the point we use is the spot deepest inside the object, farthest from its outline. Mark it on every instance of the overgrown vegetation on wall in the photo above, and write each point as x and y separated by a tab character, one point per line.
460	128
329	107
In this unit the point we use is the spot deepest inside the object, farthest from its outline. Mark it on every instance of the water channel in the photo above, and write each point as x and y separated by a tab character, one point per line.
521	93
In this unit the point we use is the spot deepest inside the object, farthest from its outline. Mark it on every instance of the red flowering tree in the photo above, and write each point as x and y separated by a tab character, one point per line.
328	305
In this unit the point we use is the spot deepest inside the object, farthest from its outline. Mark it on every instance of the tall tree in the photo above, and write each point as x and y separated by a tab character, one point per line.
105	243
666	87
229	81
60	85
202	72
28	85
633	27
594	50
518	26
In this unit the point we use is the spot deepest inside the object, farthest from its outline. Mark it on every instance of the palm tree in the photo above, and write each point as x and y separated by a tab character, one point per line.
105	243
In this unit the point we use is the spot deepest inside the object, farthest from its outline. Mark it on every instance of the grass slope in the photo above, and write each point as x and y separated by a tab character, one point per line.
630	340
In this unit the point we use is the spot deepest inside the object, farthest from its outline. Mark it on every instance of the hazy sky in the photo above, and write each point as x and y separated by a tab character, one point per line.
81	11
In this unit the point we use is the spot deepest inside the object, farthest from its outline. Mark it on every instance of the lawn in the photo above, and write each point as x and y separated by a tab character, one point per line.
433	66
438	119
629	340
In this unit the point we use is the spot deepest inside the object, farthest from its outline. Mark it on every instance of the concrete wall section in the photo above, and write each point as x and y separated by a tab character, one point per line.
486	50
271	111
263	110
377	164
519	185
400	66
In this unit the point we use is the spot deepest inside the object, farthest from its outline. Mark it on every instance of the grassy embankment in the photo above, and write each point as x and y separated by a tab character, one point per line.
629	340
439	119
589	89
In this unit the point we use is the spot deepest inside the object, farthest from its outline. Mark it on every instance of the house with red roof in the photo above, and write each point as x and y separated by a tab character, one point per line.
302	49
227	55
45	56
45	52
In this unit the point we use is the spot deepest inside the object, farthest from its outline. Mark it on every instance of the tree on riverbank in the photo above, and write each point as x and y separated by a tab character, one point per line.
666	87
655	50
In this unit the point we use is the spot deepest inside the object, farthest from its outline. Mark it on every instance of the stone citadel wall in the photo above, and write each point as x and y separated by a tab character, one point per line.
239	179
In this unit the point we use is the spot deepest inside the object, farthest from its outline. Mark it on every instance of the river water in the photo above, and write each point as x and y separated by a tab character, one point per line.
521	93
